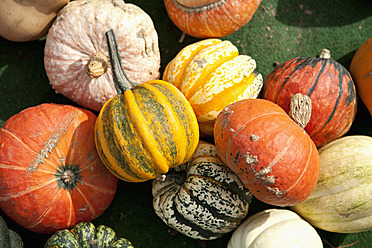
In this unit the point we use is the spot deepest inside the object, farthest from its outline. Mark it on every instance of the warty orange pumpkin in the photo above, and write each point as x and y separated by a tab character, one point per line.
271	154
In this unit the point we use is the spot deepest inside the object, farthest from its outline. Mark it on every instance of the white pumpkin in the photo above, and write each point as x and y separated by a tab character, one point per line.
273	228
341	201
76	56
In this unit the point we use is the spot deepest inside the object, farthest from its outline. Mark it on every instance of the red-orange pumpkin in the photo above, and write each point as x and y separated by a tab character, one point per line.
329	86
271	154
361	71
210	18
51	177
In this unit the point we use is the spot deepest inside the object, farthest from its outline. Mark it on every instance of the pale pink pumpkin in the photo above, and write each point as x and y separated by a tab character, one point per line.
76	55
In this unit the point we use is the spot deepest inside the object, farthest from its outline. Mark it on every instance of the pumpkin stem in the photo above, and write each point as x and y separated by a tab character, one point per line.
68	177
97	65
177	177
300	109
121	80
325	54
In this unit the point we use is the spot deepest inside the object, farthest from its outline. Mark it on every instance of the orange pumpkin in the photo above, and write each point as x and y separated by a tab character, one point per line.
272	155
361	71
329	86
210	18
51	176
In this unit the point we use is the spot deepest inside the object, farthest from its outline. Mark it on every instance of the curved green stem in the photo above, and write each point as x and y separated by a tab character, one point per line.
121	80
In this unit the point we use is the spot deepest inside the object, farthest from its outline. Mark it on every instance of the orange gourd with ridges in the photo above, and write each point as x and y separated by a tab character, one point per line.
51	176
272	155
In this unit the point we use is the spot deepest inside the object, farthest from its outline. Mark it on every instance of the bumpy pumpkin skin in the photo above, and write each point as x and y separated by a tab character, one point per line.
211	18
212	74
202	199
330	88
361	71
145	131
272	228
275	158
37	146
341	201
76	54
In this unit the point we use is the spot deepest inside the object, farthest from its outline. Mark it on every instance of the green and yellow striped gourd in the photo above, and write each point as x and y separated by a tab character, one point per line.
202	199
145	129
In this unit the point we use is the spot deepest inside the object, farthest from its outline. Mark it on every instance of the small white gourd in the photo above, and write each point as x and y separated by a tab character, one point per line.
273	228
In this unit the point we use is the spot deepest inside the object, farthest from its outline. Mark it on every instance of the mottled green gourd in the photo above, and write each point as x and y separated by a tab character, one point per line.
86	235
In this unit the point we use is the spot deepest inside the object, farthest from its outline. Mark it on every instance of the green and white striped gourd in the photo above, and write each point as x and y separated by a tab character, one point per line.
86	235
201	199
341	201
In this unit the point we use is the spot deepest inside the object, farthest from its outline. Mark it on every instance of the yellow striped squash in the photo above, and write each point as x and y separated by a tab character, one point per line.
202	199
147	129
212	74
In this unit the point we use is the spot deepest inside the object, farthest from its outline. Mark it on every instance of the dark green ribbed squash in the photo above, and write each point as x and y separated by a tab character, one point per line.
201	199
9	238
145	129
86	235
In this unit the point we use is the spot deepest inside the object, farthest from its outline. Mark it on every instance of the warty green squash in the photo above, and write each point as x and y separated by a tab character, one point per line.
146	129
86	235
202	199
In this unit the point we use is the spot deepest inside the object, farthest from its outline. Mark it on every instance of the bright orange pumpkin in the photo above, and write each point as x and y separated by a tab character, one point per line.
271	154
51	176
210	18
361	71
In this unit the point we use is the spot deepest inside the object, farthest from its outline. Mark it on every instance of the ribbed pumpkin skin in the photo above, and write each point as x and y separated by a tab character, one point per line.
84	234
361	71
212	74
341	200
145	131
212	18
272	228
330	88
202	199
275	158
36	146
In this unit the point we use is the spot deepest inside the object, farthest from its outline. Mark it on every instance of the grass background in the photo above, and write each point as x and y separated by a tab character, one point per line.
280	30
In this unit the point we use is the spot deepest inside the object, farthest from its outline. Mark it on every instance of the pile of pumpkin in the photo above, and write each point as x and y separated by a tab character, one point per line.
211	135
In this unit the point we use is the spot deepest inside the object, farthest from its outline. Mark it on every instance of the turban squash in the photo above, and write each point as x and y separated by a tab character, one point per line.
329	86
76	56
341	200
212	74
361	71
202	199
145	129
85	234
271	154
51	176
